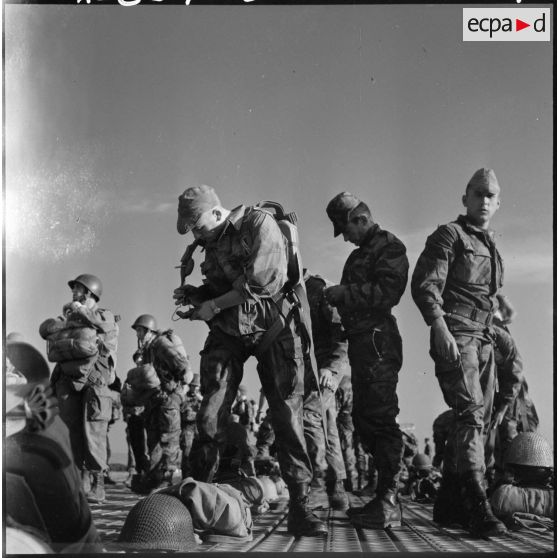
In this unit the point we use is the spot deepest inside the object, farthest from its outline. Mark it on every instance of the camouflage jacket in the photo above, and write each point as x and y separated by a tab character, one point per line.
375	277
249	256
460	265
167	355
509	365
330	346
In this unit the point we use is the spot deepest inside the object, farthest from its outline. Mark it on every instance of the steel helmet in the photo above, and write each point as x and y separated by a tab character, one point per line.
422	462
159	521
90	282
529	449
147	321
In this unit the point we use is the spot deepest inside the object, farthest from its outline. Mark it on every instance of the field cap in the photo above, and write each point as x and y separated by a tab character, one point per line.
192	204
339	208
486	179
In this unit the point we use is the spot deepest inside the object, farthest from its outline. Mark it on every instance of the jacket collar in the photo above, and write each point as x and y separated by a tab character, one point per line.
465	222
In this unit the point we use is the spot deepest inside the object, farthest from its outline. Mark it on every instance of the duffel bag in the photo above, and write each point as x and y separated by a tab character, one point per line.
72	343
143	377
219	512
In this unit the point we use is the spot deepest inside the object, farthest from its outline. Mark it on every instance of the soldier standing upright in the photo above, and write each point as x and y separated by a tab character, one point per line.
246	292
330	350
188	416
373	281
84	370
165	351
455	285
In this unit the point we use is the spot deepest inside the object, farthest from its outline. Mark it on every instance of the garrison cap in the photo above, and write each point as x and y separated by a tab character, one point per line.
485	179
338	210
192	203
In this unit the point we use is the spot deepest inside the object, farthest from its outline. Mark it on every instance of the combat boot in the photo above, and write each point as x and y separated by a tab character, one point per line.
382	512
86	481
97	494
448	505
338	498
317	497
301	522
481	521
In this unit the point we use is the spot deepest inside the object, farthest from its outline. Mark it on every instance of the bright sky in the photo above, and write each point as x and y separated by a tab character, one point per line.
111	112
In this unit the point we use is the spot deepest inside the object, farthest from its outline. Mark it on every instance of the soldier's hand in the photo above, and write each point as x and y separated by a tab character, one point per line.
507	310
203	312
328	380
335	295
444	342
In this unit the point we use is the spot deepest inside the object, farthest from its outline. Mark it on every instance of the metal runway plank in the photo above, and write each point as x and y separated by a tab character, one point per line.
418	532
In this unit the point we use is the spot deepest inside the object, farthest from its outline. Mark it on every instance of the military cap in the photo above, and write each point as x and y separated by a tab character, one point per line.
339	208
192	204
486	179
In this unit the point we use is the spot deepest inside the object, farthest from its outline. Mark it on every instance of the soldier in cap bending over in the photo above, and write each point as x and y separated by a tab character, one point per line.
245	289
373	281
456	284
83	343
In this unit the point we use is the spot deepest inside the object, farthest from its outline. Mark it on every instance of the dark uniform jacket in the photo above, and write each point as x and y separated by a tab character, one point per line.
375	276
458	273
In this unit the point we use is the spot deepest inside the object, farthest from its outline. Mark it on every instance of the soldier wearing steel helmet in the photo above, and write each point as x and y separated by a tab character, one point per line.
246	291
81	385
373	281
456	285
165	352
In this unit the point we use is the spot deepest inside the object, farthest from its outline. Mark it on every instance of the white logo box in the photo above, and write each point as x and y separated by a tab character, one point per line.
506	24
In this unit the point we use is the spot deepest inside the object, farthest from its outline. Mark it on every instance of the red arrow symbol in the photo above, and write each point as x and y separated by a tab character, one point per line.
519	25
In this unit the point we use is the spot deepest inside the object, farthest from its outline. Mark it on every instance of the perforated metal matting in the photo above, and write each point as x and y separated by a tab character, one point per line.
418	532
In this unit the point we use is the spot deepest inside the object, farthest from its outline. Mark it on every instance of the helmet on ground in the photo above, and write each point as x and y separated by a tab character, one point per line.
147	321
421	462
159	521
195	380
90	282
529	449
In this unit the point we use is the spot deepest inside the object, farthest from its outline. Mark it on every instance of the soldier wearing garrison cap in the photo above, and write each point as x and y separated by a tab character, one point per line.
456	285
246	290
372	283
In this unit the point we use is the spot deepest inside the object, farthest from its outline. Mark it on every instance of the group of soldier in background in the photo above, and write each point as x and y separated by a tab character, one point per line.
328	362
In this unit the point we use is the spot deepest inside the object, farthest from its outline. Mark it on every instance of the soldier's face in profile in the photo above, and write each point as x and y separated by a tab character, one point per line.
353	232
208	224
79	293
141	332
482	203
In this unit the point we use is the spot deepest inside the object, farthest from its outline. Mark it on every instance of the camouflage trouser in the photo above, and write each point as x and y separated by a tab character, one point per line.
187	437
281	371
376	357
86	414
327	461
348	450
468	389
163	432
136	435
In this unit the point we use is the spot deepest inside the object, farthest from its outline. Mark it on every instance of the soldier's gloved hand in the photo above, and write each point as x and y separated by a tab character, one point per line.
183	294
444	342
335	295
328	380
